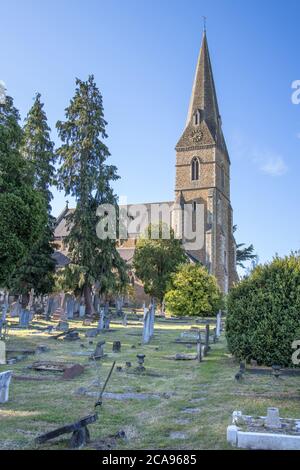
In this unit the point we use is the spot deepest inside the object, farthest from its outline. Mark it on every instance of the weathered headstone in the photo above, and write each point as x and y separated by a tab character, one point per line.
124	321
147	328
24	318
207	333
2	353
116	347
82	311
152	319
99	351
70	308
5	378
101	320
199	348
218	326
92	333
15	309
63	326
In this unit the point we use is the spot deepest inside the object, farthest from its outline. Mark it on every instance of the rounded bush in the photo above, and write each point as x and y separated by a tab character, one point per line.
193	292
263	317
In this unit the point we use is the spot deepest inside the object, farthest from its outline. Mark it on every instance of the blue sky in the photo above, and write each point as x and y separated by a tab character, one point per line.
143	55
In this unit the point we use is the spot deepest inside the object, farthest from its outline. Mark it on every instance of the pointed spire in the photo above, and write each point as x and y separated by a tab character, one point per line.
204	98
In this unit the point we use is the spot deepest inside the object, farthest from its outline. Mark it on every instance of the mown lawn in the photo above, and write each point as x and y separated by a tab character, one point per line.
207	390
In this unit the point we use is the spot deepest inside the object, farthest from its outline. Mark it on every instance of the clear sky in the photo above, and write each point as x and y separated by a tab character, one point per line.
143	55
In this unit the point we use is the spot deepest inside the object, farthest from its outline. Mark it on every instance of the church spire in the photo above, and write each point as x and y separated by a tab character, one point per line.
204	98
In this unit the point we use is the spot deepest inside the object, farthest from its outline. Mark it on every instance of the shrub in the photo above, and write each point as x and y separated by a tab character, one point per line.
193	292
263	316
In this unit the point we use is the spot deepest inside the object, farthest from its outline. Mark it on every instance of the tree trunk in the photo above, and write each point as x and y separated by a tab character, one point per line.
25	300
162	308
87	292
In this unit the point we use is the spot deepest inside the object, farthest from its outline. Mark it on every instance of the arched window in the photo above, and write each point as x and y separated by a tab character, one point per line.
195	169
197	117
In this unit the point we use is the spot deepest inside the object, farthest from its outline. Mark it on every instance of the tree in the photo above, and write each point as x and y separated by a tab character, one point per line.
85	175
193	292
22	209
155	260
244	253
38	150
263	317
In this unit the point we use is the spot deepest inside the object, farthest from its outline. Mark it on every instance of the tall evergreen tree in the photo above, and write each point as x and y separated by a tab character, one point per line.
85	175
38	150
22	209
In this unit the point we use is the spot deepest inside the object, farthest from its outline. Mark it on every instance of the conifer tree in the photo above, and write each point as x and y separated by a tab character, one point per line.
38	150
85	175
22	209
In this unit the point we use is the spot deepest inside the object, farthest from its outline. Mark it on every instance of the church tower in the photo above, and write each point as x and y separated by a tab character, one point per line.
203	175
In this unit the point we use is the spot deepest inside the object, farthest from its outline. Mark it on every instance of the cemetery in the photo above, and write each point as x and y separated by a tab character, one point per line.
171	325
168	384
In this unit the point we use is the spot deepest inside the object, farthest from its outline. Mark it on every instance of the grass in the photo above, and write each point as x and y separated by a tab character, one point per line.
38	407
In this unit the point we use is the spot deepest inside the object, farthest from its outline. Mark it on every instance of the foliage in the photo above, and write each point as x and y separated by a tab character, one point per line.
37	148
85	175
263	313
155	260
193	292
22	209
244	253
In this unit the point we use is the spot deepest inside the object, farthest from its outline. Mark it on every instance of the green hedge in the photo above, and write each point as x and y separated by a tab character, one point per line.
264	313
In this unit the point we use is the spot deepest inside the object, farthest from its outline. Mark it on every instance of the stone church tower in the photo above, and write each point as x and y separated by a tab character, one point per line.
203	175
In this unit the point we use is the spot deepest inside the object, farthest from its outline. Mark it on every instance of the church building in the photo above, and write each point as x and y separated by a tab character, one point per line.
202	179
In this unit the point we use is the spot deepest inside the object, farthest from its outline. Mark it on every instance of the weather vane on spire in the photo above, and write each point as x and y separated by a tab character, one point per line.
204	23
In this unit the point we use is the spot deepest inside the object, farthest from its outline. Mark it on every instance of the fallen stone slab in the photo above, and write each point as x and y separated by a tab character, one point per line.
123	396
34	378
69	371
178	435
191	411
182	357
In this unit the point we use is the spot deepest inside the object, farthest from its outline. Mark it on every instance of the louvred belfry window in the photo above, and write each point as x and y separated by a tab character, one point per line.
195	169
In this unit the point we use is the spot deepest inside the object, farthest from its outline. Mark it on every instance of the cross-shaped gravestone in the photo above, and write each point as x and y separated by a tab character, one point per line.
5	378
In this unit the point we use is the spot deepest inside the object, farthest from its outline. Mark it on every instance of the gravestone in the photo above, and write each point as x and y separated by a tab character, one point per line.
101	320
2	353
124	321
24	319
147	328
152	319
116	347
207	332
82	311
199	349
5	378
99	351
63	326
15	309
106	323
218	326
70	308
